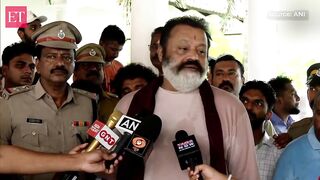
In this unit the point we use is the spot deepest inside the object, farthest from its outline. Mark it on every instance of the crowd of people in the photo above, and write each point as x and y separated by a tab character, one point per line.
243	127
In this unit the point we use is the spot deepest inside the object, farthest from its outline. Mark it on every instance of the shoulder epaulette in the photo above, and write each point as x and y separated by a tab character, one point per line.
8	92
86	93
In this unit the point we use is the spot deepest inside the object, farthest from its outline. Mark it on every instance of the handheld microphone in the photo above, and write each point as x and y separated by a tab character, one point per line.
127	137
141	142
187	150
128	124
94	129
111	122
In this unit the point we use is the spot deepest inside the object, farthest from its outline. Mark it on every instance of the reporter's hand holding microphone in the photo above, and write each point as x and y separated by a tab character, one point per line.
189	157
94	161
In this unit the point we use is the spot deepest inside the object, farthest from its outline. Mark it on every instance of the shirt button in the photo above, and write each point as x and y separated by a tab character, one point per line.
59	132
34	133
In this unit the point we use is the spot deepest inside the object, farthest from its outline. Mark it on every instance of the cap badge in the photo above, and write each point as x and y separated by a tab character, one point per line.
92	52
318	73
61	34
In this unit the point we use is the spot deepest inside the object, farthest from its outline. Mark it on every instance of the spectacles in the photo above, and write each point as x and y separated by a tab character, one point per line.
54	58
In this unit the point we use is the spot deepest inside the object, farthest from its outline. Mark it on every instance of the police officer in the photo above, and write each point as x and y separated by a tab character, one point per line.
89	75
49	116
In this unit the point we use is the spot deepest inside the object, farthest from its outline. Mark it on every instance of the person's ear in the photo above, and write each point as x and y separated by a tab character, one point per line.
5	69
160	53
37	64
21	34
268	115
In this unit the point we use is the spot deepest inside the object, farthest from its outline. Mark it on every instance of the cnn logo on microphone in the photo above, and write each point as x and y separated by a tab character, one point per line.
107	137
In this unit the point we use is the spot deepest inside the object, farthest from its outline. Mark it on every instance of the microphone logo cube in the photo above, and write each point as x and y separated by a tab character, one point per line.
95	128
107	137
127	124
138	145
103	134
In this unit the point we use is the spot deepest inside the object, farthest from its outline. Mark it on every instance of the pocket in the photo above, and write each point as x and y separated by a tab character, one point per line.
31	133
80	133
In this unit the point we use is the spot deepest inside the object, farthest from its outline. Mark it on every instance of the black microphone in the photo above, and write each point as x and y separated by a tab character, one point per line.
187	150
119	148
125	126
141	142
138	149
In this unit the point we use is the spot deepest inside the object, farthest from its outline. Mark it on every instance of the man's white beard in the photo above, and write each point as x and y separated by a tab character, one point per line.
184	80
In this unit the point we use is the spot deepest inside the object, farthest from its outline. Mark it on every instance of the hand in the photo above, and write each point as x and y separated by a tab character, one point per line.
207	172
93	162
281	140
78	149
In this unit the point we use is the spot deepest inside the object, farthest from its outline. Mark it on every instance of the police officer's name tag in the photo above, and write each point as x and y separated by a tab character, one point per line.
33	120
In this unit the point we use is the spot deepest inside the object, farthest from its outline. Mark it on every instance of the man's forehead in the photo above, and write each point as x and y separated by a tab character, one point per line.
24	57
226	65
89	63
289	87
254	94
181	30
57	50
35	22
316	86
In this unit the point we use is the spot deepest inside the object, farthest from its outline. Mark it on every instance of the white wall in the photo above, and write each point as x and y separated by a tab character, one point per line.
90	17
146	16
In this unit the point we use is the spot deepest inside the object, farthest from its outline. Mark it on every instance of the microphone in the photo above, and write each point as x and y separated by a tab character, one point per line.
98	128
127	137
128	124
141	142
111	122
187	150
139	147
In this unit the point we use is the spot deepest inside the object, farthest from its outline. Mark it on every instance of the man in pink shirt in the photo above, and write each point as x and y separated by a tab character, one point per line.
184	100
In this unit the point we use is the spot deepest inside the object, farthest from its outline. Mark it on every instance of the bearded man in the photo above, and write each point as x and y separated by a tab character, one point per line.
184	100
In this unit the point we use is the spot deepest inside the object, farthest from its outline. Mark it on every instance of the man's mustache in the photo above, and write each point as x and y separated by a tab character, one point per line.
60	68
191	62
225	83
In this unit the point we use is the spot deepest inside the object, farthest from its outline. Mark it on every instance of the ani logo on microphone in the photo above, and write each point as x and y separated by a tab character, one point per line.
127	124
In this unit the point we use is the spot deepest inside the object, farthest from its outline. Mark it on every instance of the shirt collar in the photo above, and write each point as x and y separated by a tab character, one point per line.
314	142
266	140
277	120
40	92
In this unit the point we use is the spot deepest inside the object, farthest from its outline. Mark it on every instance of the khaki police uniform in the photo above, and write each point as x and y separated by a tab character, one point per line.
94	53
106	105
29	117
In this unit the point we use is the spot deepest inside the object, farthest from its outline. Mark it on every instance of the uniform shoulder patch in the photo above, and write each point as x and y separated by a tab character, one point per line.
91	95
8	92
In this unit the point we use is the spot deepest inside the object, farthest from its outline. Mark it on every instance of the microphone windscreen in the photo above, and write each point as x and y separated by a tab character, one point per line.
150	127
181	135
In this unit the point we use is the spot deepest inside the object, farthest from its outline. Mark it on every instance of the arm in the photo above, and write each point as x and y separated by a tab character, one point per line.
5	122
281	140
17	160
